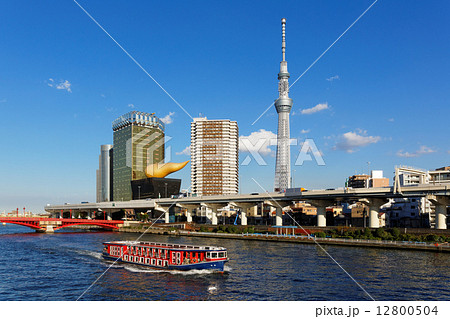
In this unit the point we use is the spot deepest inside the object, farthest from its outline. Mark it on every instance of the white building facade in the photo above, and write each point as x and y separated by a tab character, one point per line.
416	211
214	157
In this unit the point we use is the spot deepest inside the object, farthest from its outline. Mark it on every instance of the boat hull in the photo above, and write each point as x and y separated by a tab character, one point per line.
217	265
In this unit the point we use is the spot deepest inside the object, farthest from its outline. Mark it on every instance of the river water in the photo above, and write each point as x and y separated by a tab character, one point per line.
65	266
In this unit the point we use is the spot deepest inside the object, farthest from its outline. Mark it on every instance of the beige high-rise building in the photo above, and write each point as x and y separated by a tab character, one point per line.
214	157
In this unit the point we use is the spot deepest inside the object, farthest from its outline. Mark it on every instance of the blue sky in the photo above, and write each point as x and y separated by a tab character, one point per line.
379	95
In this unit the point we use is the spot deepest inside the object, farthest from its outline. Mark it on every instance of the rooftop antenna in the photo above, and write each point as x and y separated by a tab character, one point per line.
283	41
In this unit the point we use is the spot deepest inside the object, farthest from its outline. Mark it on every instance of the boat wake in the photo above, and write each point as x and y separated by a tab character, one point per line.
89	253
192	272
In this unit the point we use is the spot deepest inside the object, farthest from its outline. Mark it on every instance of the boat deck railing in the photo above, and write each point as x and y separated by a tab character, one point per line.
167	245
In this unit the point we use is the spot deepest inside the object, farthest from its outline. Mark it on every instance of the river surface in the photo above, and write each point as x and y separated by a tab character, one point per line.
67	265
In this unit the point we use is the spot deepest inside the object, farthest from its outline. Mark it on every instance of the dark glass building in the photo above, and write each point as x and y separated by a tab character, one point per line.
138	142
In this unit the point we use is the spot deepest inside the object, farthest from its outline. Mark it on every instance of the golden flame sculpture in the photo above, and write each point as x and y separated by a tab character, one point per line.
162	170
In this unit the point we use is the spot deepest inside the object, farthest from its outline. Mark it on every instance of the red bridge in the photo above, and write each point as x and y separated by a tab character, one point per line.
52	224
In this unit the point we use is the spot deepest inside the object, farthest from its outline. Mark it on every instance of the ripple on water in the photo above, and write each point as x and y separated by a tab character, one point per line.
63	266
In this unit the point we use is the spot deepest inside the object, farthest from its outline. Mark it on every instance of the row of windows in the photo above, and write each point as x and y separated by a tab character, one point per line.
146	261
150	252
222	254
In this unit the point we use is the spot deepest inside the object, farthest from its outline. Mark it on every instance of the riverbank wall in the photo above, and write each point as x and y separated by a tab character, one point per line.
299	239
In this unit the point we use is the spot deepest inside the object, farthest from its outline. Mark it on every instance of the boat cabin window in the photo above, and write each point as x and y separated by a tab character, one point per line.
213	255
222	254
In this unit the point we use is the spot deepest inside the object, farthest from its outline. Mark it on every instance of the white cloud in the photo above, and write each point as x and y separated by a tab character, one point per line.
168	118
258	142
315	109
336	77
305	131
61	85
391	119
186	151
421	151
131	105
351	141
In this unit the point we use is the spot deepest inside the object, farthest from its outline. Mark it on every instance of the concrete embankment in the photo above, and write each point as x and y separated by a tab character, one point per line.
436	247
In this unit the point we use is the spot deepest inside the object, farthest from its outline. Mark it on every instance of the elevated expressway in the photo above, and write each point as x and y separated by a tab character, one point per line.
439	195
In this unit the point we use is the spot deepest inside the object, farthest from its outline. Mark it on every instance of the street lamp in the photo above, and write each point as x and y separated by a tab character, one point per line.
139	191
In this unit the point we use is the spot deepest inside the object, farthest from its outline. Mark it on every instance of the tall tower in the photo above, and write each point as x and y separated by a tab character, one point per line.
104	174
283	106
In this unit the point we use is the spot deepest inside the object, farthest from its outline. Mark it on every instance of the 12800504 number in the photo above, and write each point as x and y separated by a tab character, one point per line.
406	310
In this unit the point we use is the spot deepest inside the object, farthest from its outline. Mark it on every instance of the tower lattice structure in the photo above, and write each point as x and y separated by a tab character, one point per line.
283	106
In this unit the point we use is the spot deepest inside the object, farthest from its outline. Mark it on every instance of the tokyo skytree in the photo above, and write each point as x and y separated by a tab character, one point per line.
283	106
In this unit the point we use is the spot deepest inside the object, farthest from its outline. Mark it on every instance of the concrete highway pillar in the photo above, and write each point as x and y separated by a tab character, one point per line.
166	217
189	215
278	205
244	218
321	216
374	222
214	208
243	210
279	216
189	211
440	203
321	206
165	211
441	216
214	216
374	209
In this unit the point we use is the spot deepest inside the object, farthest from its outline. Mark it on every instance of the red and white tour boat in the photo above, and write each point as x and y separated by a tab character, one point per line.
166	256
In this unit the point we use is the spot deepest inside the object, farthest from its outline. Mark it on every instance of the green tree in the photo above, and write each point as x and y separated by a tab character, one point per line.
320	234
432	237
380	233
395	232
367	233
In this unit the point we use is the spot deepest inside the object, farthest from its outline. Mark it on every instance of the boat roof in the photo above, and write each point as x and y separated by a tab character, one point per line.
163	245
